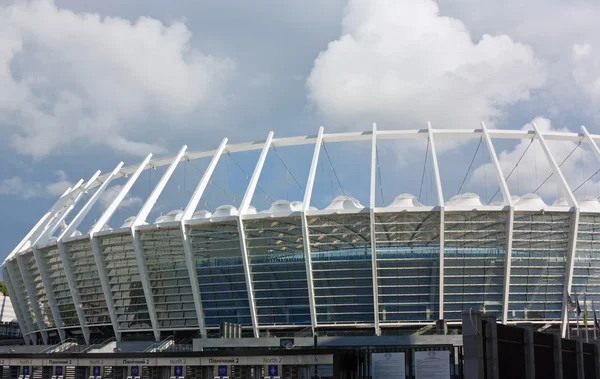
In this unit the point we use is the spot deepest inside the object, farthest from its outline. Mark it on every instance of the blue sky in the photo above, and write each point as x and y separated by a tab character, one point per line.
87	84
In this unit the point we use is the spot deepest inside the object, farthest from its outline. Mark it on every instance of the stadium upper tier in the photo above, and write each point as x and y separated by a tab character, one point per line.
296	267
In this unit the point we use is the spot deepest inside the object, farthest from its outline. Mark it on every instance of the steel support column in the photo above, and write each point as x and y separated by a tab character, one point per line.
509	222
83	212
35	305
305	231
574	227
187	246
242	234
440	196
17	306
373	231
137	243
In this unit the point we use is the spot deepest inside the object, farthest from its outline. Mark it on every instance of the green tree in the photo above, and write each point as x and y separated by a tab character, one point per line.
3	288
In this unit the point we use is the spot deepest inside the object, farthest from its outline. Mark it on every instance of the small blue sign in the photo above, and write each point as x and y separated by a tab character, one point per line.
96	370
178	370
273	370
25	370
58	370
135	370
222	370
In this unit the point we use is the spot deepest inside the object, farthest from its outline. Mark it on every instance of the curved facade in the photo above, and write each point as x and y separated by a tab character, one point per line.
297	268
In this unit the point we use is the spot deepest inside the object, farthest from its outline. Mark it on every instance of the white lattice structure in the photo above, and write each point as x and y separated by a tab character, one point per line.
294	266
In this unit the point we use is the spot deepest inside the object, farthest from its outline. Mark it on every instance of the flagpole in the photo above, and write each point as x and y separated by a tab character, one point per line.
577	310
595	320
585	318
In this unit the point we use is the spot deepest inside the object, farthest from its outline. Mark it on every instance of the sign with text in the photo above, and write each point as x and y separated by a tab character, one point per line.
432	364
388	366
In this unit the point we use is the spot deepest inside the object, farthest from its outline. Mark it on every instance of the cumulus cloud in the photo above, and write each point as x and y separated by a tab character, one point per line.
586	71
403	63
77	78
109	195
17	186
534	168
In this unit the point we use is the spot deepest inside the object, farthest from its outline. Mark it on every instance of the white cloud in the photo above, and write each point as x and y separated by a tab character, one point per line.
17	186
586	71
402	63
72	78
534	168
109	195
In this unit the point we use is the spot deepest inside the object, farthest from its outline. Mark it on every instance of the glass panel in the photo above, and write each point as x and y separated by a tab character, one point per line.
60	286
41	297
586	272
169	278
221	278
278	270
475	244
21	290
408	264
87	281
341	263
124	280
540	243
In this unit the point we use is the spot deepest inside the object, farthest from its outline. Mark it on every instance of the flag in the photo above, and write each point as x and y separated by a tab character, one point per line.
577	306
571	306
596	323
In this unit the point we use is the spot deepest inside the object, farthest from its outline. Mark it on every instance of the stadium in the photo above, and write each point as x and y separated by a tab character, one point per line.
293	268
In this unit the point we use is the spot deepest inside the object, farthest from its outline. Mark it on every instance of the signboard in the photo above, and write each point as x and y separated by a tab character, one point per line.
191	361
135	370
267	360
96	362
136	362
432	364
222	371
58	370
59	362
178	370
388	366
96	370
25	370
25	362
273	370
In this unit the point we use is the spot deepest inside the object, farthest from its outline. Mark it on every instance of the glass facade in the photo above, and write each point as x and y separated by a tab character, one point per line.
60	286
586	271
124	281
169	278
221	278
540	248
475	247
408	262
87	279
276	256
407	258
341	265
21	290
32	270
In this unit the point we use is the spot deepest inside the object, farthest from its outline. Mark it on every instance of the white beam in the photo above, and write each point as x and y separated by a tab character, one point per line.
187	247
31	293
62	249
440	196
243	246
572	246
16	302
137	242
499	175
509	222
49	293
373	231
247	199
305	231
34	232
